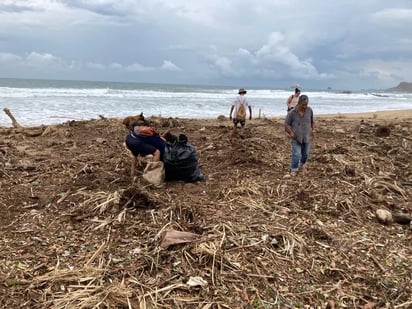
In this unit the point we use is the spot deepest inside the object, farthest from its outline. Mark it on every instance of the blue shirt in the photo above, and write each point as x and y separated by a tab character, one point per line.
145	145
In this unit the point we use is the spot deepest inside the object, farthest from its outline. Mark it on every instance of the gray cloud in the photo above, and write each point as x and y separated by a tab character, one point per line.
344	44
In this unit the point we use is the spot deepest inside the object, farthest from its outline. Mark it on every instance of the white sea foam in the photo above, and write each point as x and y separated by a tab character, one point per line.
36	105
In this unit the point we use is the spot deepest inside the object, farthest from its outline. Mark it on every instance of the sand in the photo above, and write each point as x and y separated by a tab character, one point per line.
384	115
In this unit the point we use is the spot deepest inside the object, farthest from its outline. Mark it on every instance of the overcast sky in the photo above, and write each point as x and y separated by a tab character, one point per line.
343	44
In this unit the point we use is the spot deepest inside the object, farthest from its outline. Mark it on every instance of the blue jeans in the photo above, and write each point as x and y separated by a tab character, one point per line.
300	153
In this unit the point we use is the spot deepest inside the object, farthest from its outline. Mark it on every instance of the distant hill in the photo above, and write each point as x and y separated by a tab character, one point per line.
403	86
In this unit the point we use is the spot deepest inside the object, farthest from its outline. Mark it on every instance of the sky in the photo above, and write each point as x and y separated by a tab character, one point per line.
341	44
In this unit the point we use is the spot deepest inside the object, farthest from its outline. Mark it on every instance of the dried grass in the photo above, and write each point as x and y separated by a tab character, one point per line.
266	241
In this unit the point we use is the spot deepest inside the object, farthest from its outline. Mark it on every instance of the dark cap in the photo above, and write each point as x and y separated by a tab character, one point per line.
303	98
242	90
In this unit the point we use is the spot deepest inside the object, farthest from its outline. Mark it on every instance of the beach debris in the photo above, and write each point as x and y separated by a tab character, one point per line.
129	121
13	120
384	216
173	237
362	127
369	305
196	281
401	218
170	123
31	132
269	239
100	140
135	197
330	304
135	251
59	204
382	131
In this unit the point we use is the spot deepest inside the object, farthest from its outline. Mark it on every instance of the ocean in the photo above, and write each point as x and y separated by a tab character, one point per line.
44	102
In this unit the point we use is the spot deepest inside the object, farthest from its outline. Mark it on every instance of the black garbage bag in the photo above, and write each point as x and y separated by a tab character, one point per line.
181	161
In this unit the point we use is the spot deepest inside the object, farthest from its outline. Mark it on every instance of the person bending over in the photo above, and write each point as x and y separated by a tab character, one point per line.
143	140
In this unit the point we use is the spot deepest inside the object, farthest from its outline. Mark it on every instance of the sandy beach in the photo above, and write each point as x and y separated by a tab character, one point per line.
384	115
77	230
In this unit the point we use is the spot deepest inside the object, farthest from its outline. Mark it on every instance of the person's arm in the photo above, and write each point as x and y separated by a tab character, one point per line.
288	126
289	100
156	155
231	110
250	112
289	131
313	131
314	127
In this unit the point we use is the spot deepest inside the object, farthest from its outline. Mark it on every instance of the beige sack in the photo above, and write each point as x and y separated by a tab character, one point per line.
154	173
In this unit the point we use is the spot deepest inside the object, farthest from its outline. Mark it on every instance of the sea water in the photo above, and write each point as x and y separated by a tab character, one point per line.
37	102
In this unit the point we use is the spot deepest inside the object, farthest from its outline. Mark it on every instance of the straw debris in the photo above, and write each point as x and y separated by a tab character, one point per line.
78	232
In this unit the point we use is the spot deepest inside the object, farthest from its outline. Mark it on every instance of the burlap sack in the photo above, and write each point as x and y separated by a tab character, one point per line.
154	173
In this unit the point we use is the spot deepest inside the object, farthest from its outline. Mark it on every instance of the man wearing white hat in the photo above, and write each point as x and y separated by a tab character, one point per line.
239	106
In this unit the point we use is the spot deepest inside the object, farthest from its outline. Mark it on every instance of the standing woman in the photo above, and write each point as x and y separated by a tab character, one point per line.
293	100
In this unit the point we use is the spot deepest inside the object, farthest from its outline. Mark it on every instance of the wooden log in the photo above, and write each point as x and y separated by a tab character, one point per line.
31	132
13	120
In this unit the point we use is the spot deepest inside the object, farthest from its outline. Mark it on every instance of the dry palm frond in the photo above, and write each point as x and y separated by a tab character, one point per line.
85	274
114	294
207	250
111	199
254	205
101	223
292	243
243	187
339	158
84	287
383	183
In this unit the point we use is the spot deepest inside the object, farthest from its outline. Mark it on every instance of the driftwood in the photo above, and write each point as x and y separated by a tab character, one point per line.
13	120
31	132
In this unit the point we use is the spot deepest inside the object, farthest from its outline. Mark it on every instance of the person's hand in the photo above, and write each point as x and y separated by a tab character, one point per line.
312	134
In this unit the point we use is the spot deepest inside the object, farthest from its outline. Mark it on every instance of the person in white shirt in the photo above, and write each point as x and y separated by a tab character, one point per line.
293	100
239	106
